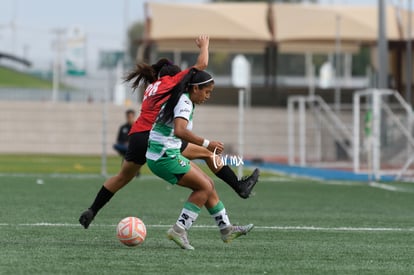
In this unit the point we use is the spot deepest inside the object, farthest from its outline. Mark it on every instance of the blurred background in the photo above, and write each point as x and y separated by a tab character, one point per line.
327	84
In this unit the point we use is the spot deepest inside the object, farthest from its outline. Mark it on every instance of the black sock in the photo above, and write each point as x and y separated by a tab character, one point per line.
103	196
228	176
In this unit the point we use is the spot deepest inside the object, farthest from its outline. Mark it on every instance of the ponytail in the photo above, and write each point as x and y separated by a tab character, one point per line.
147	74
143	73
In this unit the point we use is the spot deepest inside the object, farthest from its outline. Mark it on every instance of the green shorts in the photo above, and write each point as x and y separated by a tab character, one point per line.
171	167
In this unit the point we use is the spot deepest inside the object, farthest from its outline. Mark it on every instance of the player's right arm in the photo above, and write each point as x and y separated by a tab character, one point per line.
181	131
202	61
202	43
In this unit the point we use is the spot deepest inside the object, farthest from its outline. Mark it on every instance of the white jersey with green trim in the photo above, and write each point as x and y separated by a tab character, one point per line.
162	138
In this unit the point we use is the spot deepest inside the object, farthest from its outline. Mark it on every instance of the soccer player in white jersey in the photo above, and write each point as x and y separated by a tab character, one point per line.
174	123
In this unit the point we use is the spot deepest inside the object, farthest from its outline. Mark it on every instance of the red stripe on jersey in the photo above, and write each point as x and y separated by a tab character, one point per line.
154	97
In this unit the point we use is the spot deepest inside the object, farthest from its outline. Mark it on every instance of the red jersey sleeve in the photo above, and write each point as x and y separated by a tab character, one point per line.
155	95
171	81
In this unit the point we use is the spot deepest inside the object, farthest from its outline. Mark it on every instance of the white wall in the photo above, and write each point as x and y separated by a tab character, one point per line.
76	128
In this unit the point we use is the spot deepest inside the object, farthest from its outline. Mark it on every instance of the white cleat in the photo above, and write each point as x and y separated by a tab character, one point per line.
179	238
235	231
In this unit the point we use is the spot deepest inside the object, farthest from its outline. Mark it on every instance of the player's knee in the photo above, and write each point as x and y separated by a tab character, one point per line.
208	186
208	156
204	153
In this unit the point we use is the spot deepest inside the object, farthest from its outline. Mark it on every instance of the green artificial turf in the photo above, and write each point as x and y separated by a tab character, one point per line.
302	227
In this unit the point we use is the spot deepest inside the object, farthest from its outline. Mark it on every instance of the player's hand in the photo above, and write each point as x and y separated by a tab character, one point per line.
216	146
202	41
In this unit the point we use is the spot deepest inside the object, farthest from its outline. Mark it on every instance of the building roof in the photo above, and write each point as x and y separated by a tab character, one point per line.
249	27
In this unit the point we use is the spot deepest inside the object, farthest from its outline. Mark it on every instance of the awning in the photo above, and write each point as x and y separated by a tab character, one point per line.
249	27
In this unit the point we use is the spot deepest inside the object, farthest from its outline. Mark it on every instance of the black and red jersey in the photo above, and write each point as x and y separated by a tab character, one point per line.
155	96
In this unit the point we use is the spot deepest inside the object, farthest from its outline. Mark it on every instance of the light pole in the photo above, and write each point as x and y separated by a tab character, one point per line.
382	47
337	64
409	57
13	26
126	38
58	47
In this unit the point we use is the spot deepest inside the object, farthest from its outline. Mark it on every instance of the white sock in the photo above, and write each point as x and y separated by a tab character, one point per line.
221	218
186	218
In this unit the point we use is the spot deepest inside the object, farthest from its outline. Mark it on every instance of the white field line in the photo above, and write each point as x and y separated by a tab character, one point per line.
386	187
72	176
264	228
383	186
51	175
275	179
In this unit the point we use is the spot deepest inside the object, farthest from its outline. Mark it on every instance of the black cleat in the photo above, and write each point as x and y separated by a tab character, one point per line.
86	218
246	185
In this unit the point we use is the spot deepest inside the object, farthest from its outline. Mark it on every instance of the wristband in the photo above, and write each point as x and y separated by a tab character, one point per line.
206	142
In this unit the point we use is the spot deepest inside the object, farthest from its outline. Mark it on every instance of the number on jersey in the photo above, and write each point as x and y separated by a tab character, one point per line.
151	90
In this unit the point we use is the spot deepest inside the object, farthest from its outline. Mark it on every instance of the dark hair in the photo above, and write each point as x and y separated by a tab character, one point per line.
130	111
201	79
195	77
148	74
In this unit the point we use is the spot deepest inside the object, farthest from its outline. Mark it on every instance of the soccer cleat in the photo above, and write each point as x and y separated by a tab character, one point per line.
179	238
246	185
235	231
86	218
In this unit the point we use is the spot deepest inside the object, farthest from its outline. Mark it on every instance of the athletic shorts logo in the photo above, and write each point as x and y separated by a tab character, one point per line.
182	163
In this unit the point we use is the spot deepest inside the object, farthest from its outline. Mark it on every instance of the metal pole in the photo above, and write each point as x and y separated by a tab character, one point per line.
291	131
376	134
126	22
409	74
355	143
337	64
104	171
241	130
56	63
318	132
347	67
382	47
104	134
14	27
409	58
55	83
310	73
248	102
248	96
302	132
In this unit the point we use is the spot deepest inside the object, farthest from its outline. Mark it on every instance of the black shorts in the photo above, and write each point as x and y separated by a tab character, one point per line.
138	145
183	145
137	148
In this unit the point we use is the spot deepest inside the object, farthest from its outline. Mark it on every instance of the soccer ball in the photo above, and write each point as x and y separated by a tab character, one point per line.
131	231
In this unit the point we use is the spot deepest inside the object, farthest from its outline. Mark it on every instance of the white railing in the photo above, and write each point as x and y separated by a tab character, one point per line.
324	116
377	104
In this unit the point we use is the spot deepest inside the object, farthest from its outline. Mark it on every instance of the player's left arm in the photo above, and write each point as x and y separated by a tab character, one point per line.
181	131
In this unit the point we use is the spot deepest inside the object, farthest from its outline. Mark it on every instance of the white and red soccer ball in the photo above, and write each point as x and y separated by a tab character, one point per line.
131	231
